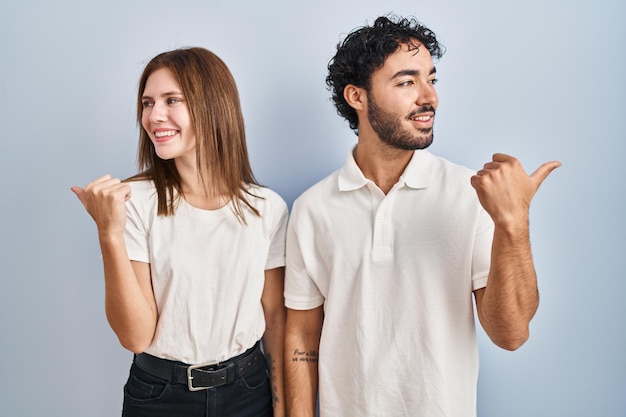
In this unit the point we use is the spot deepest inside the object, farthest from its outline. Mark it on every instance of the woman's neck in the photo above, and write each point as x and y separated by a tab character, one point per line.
198	193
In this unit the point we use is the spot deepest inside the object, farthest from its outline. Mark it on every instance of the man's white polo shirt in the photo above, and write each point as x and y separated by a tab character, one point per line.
395	273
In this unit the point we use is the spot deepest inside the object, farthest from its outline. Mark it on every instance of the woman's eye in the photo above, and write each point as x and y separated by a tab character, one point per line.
173	100
147	104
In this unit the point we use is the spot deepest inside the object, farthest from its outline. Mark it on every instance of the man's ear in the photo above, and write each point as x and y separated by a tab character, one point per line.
355	96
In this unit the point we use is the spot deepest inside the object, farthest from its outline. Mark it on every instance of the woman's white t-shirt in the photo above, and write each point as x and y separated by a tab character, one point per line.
208	271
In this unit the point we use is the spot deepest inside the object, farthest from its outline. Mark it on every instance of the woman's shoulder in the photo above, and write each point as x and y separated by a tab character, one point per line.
140	184
265	199
265	193
142	190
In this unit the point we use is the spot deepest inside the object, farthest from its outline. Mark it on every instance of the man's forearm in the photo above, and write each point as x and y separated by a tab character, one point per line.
302	336
511	297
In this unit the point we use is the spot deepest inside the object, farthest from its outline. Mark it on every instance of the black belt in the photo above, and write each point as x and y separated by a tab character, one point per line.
204	376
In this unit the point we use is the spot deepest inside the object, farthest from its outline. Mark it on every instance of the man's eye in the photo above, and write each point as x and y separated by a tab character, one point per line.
434	81
406	83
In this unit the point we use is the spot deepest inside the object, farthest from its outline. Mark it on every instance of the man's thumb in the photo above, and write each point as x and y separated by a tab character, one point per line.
544	170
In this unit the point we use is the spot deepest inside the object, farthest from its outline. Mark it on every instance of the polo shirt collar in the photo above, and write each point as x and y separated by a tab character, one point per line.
417	173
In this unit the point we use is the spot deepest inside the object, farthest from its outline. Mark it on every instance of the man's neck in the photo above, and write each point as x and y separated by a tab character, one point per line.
380	162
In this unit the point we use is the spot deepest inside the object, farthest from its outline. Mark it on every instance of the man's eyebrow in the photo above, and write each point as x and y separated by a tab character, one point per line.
403	73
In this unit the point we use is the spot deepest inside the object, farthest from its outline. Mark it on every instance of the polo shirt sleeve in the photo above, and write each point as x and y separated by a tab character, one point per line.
301	291
481	256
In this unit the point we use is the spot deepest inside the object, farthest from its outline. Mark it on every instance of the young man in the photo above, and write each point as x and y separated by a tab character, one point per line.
383	256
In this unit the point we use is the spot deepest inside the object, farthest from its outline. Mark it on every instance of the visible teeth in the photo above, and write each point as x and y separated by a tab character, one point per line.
165	133
422	118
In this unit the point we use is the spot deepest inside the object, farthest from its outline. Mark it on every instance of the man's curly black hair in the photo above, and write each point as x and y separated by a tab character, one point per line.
365	50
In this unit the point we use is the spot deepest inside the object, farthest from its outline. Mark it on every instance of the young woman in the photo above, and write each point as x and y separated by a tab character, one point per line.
193	251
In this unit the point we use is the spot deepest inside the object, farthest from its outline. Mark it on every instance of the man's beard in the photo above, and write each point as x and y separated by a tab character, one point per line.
389	128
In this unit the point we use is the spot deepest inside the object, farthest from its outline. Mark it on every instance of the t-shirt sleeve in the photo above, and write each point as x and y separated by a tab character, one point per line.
276	253
136	234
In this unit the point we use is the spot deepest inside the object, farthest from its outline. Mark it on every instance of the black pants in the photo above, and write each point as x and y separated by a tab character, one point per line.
146	395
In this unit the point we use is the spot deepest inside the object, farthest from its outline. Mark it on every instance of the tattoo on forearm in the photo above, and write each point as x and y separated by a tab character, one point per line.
271	366
305	356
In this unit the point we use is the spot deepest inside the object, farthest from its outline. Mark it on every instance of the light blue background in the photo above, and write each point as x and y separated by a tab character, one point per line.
538	79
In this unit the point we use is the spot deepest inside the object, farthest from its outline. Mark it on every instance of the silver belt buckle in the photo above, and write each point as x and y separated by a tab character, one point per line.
190	377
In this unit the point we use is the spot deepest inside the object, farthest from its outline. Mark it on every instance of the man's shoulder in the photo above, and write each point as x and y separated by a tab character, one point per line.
446	164
450	175
323	189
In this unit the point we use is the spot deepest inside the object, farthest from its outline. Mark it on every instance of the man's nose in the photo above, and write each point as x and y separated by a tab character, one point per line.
427	95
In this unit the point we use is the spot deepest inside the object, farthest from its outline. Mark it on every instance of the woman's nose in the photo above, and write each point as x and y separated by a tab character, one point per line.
158	113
